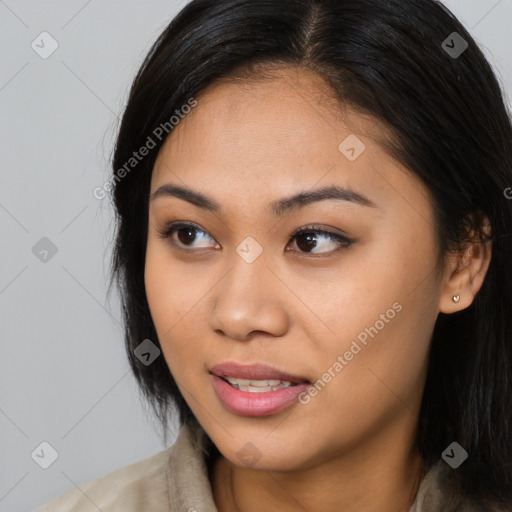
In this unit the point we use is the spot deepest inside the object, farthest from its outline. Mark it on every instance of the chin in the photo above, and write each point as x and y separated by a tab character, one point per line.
258	453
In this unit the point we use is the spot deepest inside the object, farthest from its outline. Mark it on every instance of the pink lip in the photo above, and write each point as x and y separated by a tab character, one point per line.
245	403
253	371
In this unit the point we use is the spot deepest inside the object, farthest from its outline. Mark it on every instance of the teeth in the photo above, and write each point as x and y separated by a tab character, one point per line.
258	386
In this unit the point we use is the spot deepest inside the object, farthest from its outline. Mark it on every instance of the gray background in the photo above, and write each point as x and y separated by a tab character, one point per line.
64	378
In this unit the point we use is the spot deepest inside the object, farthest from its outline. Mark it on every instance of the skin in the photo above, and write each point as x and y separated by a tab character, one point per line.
248	143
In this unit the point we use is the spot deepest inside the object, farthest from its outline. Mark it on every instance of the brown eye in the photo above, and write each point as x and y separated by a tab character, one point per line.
309	239
186	234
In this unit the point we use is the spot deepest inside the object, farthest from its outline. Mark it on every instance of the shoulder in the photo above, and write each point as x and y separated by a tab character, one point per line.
440	492
176	477
139	486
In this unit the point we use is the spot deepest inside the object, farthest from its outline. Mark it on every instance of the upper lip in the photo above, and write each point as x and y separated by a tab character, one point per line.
254	372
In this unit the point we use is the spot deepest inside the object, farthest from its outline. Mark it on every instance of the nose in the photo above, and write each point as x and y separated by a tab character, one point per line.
249	301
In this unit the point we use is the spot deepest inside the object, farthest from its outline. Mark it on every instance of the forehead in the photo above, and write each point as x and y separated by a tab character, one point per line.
290	111
269	135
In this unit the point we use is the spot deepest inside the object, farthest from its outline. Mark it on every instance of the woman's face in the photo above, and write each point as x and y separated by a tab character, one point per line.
353	315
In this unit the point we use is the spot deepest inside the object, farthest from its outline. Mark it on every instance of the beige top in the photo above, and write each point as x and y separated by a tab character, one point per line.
176	479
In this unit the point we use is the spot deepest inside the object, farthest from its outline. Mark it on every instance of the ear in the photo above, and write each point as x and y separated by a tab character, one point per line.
466	269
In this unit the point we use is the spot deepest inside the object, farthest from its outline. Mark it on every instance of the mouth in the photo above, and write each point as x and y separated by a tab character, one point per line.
256	378
256	390
258	386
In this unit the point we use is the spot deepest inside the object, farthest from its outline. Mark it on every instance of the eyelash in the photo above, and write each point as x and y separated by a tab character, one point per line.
345	242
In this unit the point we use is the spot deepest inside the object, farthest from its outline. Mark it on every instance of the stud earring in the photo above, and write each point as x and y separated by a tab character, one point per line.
456	298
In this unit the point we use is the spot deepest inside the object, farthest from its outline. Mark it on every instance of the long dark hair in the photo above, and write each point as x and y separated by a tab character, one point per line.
450	126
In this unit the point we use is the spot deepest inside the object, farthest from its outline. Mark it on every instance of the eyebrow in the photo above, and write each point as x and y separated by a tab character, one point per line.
278	208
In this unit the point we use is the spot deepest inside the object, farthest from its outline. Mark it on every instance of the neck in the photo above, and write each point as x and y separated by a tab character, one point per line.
382	475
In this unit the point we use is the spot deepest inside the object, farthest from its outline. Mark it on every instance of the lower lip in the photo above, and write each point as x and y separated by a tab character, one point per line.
245	403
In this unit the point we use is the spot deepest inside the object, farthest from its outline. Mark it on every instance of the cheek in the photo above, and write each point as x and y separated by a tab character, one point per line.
383	322
173	296
169	292
159	294
374	382
383	363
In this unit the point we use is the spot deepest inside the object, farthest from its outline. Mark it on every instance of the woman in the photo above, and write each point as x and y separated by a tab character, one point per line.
313	251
